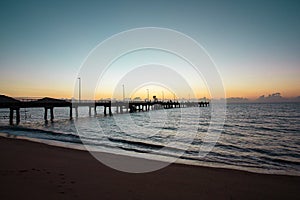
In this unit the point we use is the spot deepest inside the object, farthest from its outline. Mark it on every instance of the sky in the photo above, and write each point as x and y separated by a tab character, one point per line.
255	44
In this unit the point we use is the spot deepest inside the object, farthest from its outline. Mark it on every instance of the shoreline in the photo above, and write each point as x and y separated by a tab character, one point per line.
75	146
37	170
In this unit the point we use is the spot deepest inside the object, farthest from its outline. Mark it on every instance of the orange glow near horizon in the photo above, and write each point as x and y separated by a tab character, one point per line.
250	93
238	86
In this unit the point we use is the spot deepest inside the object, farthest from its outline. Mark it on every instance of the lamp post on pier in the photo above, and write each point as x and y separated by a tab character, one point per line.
123	92
79	89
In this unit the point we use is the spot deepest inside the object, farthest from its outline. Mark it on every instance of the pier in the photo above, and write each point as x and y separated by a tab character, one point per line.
49	104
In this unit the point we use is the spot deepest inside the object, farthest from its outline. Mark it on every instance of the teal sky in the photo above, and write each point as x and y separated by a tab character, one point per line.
255	44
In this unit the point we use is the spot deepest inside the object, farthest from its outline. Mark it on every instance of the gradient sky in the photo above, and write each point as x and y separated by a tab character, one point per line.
255	44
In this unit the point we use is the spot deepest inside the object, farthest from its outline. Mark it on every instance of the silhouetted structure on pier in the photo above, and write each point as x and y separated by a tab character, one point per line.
50	103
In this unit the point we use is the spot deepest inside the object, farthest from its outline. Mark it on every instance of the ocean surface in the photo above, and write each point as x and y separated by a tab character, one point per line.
259	137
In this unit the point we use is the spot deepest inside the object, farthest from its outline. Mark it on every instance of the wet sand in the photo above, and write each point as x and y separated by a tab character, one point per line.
32	170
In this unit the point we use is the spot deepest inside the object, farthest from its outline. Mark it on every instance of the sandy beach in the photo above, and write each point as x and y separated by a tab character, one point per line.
32	170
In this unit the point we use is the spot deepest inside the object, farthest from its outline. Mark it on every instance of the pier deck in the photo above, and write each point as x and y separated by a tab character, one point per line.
50	103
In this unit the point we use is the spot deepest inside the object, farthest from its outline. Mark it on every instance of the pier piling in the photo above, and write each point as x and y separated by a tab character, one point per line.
95	110
109	110
71	113
11	116
51	114
76	112
18	115
46	114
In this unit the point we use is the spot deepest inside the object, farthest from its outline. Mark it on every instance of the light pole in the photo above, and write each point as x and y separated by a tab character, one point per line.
123	92
79	89
174	96
163	95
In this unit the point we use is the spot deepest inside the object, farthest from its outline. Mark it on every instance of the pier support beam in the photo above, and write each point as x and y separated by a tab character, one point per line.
46	114
90	111
76	112
51	114
18	115
71	113
11	116
95	110
109	110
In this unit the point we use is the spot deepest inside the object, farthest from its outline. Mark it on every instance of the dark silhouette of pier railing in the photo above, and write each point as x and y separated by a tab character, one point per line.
50	103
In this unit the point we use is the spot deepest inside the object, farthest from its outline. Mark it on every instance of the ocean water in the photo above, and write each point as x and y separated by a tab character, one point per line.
257	137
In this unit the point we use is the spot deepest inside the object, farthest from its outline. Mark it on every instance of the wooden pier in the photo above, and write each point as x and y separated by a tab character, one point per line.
49	104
